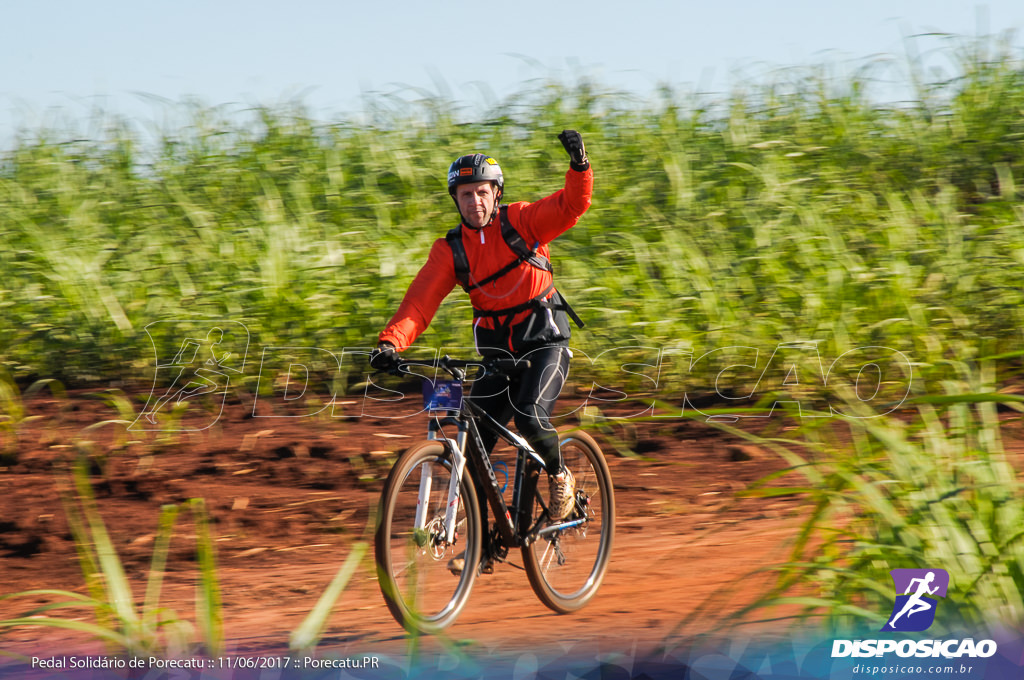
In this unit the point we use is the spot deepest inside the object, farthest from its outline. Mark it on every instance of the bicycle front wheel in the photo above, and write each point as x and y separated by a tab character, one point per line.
414	549
567	559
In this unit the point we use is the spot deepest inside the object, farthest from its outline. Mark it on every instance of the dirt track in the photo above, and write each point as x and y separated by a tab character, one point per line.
289	497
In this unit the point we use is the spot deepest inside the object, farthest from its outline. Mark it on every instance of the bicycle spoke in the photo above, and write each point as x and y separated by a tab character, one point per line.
567	560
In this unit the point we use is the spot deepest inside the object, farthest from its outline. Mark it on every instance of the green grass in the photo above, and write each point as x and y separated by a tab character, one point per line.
932	488
797	209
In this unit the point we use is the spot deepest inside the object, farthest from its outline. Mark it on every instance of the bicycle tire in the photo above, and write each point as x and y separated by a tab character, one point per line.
413	565
566	567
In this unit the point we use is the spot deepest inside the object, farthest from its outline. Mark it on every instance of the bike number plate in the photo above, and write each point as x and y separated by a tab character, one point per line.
442	395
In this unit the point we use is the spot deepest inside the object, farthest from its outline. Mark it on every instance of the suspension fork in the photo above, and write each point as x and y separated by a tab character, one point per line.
457	447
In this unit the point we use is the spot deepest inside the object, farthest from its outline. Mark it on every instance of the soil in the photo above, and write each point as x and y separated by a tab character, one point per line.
289	498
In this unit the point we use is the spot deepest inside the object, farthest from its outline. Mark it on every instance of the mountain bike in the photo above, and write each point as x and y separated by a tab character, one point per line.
430	509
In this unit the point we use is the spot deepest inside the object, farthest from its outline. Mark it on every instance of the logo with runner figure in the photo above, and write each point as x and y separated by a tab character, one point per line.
195	361
916	590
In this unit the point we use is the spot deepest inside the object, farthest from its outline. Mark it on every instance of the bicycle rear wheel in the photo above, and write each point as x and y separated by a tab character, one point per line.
413	557
567	559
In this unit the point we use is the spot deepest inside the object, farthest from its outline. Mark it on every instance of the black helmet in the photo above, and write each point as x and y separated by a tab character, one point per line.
474	168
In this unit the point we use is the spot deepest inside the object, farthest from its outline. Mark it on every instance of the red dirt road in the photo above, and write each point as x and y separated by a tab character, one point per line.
289	498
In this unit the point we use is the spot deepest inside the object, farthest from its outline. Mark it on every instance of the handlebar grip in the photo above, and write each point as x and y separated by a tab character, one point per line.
509	365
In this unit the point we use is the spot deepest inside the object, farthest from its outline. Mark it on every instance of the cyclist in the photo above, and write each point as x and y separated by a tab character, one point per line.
500	256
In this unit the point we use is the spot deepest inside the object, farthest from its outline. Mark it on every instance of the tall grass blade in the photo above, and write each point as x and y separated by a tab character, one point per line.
209	604
118	590
158	563
307	635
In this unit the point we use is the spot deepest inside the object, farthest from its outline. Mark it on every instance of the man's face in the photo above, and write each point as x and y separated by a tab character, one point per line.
476	202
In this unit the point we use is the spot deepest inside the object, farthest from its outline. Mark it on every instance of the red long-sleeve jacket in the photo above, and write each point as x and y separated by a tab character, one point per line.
539	222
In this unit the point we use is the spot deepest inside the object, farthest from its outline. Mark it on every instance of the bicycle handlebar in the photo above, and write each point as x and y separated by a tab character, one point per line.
455	367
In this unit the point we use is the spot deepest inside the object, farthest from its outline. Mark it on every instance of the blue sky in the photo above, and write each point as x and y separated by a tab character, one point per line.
73	56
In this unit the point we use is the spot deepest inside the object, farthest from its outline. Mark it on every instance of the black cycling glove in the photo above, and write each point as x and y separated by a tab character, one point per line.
573	143
384	357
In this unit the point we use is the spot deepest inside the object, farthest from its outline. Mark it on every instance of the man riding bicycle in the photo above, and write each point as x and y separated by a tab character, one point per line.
499	254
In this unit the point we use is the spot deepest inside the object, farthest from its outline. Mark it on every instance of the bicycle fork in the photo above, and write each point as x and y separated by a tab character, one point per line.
457	447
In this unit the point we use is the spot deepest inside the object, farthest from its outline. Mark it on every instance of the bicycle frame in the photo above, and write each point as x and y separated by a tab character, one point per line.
467	449
510	529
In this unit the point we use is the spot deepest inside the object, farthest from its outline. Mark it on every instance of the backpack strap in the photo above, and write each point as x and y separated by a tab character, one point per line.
459	257
513	240
517	244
